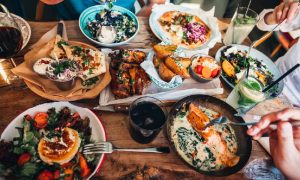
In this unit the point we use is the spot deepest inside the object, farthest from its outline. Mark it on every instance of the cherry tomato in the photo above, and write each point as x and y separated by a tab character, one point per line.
199	69
41	120
24	158
45	175
56	174
215	72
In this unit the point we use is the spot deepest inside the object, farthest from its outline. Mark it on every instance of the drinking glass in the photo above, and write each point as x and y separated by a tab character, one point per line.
241	25
246	94
11	42
146	119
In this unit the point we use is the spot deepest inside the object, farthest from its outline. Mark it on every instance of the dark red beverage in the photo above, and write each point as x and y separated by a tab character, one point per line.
11	41
147	118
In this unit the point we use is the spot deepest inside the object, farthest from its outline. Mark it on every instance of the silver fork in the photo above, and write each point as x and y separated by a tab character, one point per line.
107	147
224	120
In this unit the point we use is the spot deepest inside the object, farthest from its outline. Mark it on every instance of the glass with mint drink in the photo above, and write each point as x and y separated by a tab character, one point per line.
241	25
246	94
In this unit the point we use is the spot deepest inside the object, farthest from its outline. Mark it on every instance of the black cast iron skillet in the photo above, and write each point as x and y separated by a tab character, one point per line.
243	140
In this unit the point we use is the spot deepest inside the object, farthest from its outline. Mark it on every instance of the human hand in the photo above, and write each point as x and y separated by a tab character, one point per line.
52	2
286	10
284	142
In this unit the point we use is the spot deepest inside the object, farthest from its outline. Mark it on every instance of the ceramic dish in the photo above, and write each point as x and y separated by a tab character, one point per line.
104	80
24	27
189	143
196	69
89	14
98	132
157	29
260	57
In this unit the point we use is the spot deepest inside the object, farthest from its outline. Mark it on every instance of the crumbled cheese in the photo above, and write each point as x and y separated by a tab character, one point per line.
211	65
230	50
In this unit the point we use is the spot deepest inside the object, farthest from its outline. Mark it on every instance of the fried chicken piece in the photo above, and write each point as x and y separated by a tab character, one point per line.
120	85
133	56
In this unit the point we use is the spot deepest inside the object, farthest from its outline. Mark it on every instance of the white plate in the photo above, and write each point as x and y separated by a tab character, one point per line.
259	56
211	22
98	132
24	28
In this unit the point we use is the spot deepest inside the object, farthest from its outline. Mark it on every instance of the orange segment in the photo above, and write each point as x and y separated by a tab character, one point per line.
206	72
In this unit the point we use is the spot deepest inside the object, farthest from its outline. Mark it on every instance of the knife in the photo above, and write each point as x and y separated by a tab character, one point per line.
60	29
117	108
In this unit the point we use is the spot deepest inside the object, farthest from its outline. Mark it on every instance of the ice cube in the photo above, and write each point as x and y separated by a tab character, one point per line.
135	113
148	121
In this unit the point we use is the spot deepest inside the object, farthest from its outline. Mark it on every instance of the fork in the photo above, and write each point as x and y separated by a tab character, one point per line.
224	120
107	147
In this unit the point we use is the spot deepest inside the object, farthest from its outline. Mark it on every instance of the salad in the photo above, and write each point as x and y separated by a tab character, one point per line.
111	26
235	62
48	147
63	70
206	67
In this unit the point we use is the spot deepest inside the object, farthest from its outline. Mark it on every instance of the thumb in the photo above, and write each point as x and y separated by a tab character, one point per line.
285	138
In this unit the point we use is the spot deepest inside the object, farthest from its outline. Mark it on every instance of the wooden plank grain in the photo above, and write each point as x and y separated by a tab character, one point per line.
16	99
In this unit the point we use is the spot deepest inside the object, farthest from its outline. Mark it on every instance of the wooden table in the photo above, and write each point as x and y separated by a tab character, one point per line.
14	100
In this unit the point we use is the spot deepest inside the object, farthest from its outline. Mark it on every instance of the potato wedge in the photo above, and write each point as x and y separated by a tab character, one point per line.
156	61
164	51
177	67
165	73
186	62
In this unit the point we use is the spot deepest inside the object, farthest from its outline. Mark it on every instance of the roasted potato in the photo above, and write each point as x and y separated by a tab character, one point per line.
156	61
165	73
186	62
164	51
177	67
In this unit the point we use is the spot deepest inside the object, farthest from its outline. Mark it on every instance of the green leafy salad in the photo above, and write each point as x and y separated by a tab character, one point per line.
48	146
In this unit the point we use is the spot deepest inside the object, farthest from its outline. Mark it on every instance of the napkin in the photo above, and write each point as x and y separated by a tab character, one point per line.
50	35
149	68
268	106
187	88
47	88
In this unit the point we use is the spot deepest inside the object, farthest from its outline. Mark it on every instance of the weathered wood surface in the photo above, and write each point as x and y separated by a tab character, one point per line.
14	100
